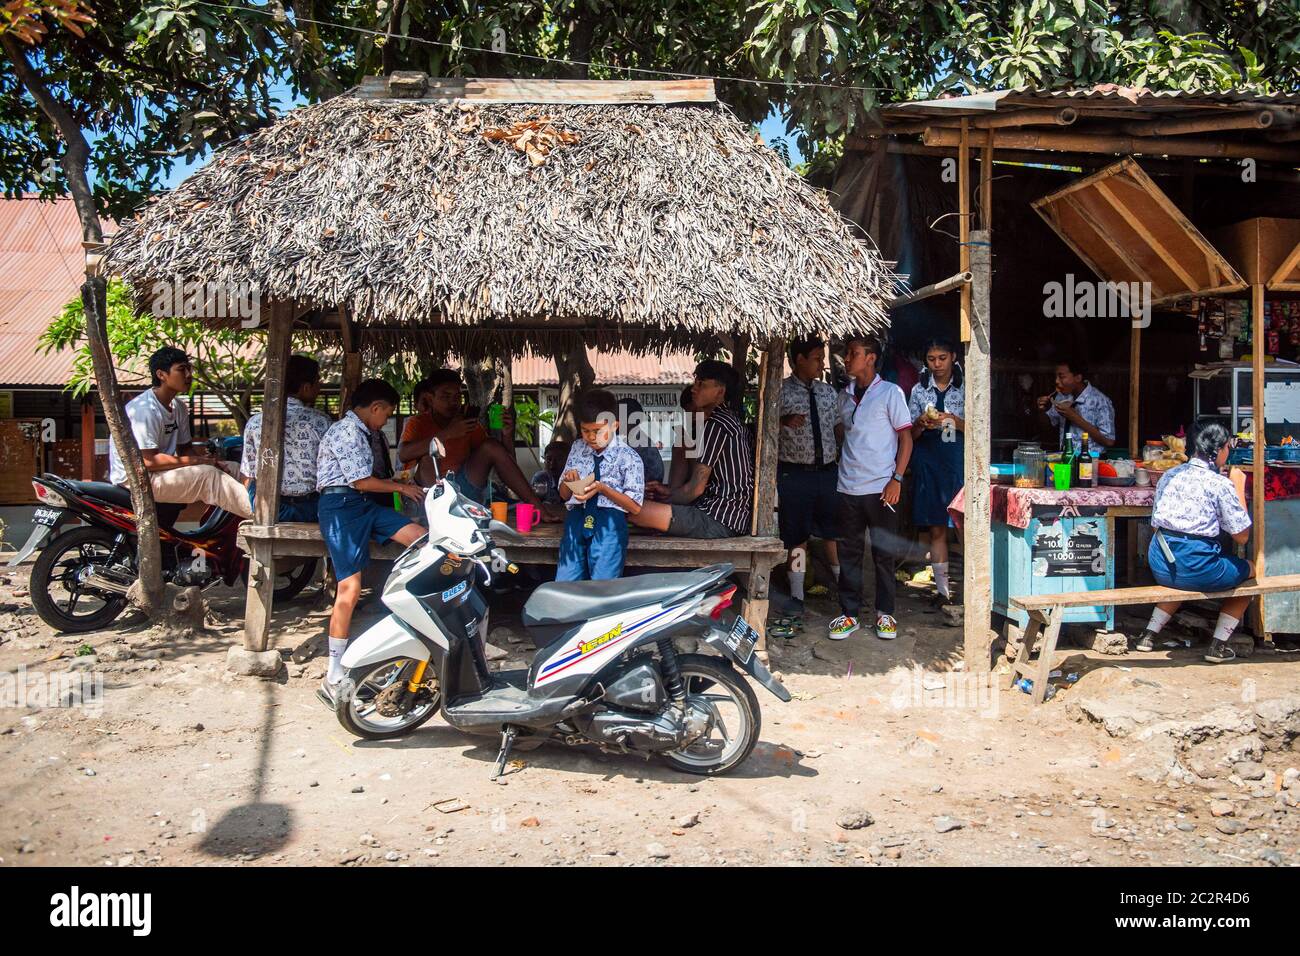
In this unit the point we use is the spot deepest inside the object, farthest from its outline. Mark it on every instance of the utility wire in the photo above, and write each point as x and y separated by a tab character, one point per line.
558	60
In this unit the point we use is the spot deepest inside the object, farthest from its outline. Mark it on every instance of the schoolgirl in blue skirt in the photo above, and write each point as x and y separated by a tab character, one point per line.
938	408
1195	503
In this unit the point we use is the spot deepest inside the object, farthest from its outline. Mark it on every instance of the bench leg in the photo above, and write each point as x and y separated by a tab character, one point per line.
754	607
1034	625
261	596
1046	655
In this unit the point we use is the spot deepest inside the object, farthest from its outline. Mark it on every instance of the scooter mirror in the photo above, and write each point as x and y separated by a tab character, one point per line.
500	527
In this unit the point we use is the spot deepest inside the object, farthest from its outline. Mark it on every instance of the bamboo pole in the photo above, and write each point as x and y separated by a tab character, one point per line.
934	288
1254	119
1065	116
1085	143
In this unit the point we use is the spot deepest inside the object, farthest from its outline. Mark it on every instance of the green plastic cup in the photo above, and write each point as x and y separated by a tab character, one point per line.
496	416
1061	475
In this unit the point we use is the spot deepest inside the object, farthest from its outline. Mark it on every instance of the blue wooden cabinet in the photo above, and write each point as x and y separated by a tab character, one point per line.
1063	551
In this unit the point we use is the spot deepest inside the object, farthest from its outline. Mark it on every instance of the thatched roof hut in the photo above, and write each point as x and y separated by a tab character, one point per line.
443	220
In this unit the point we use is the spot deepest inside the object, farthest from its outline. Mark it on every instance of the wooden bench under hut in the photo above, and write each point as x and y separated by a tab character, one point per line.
482	218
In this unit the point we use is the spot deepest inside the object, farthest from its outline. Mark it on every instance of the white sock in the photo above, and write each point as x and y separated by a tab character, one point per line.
337	646
941	577
835	571
1159	619
1223	630
796	584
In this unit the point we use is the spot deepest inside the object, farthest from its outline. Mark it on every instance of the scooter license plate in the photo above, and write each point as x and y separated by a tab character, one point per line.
46	516
741	640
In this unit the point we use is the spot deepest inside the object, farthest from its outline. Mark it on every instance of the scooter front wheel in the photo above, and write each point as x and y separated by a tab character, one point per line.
375	703
714	683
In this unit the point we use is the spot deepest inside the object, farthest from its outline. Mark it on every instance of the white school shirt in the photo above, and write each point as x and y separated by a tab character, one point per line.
871	428
1194	498
155	427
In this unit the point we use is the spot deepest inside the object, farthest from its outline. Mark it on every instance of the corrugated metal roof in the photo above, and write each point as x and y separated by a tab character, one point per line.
612	368
41	270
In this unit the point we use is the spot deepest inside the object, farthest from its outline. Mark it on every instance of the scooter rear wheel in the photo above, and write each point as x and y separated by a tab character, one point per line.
358	709
715	681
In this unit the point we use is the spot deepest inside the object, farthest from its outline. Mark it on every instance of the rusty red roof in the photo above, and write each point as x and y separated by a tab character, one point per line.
612	368
41	269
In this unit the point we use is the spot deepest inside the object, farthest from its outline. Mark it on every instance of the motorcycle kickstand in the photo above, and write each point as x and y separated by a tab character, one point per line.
507	741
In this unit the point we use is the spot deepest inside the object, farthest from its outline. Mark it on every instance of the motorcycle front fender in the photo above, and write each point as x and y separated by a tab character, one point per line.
753	667
385	640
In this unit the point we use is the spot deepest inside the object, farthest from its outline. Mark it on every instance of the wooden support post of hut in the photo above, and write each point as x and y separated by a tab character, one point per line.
472	233
270	461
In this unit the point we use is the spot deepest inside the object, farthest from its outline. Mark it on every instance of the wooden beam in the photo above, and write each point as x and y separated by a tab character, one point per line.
986	187
977	527
1083	143
1134	380
963	228
772	365
418	86
1112	242
763	521
270	462
1249	119
1103	189
87	439
1257	396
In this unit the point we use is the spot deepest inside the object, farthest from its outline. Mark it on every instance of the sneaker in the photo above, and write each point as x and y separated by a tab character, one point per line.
1147	642
842	627
1219	652
886	627
325	693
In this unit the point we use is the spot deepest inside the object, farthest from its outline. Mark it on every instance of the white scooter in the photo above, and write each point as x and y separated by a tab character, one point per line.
605	673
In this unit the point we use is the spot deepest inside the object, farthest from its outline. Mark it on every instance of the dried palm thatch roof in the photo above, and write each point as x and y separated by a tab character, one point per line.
442	222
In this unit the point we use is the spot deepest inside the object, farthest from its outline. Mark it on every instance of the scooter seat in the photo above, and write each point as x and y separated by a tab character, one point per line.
570	601
103	491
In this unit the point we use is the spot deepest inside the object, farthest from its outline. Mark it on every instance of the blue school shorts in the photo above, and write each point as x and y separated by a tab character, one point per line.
594	555
348	522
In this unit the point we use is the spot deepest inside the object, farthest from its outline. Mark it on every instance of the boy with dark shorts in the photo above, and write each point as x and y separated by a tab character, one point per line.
348	519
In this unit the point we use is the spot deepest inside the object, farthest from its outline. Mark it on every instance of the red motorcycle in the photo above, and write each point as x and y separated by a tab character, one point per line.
79	581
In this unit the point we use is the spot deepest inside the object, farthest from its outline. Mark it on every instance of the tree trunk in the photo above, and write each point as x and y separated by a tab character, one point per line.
94	298
576	375
480	384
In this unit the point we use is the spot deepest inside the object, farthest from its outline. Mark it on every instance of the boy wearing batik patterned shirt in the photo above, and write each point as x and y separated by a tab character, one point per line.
594	543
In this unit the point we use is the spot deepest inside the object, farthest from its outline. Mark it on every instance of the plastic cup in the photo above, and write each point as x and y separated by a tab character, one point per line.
525	515
1061	475
496	420
500	511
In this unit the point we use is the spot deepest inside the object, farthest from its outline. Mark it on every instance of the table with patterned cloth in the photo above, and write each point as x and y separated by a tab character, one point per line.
1014	506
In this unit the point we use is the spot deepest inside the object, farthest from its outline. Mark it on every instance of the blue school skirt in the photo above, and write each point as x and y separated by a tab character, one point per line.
1199	564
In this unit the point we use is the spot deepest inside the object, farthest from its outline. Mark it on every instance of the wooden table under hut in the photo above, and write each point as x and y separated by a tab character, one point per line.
484	218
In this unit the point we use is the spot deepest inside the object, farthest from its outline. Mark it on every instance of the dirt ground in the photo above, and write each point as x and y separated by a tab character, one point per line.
179	762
